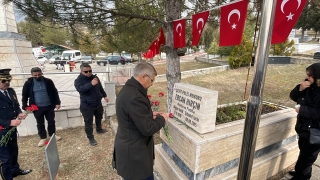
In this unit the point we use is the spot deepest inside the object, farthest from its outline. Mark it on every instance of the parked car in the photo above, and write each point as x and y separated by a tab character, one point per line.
127	57
115	59
54	58
86	59
74	55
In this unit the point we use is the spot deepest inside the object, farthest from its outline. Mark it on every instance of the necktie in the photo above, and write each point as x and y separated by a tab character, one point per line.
6	94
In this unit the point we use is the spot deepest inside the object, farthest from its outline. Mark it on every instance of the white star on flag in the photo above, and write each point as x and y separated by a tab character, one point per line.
234	26
290	16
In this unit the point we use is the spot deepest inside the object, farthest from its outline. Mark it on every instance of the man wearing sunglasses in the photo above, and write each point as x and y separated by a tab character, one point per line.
42	92
91	92
10	116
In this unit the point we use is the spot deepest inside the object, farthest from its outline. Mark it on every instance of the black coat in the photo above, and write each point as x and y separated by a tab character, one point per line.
90	96
308	115
27	93
9	110
134	146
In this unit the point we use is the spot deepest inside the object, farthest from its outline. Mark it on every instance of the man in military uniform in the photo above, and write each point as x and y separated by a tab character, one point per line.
10	117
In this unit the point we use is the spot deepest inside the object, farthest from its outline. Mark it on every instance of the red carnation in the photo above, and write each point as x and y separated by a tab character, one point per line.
161	94
34	107
1	128
31	108
46	143
156	103
170	115
149	96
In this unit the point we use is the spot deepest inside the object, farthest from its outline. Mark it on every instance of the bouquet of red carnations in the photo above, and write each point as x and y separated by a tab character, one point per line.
155	106
5	138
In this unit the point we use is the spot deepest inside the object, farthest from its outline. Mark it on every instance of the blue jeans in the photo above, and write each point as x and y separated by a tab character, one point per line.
148	178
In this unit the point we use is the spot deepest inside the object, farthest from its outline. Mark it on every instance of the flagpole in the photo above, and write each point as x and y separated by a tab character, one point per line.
254	104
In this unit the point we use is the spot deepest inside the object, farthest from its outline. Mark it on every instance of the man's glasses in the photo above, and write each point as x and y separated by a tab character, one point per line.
4	81
152	80
90	71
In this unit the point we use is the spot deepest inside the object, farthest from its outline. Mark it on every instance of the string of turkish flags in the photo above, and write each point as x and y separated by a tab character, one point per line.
232	21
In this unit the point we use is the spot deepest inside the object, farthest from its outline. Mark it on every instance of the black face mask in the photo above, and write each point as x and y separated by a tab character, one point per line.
38	78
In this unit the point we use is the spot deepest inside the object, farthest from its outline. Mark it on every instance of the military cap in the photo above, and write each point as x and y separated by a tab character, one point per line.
5	74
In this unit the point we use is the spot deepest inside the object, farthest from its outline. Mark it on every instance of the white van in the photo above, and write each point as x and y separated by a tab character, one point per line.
73	55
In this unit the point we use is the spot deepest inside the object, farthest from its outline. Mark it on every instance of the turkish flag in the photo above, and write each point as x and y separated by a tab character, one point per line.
162	39
179	33
155	46
287	14
153	49
198	22
232	21
148	54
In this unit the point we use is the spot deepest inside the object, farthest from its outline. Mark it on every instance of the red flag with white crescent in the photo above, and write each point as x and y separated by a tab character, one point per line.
232	21
287	14
179	33
198	22
155	46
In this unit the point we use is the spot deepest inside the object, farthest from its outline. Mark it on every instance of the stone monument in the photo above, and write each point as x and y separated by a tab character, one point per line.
15	51
202	150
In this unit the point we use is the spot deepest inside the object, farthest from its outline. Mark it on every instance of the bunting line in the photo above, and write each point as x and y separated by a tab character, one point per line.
209	9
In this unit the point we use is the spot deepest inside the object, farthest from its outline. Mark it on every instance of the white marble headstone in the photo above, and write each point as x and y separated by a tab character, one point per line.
195	106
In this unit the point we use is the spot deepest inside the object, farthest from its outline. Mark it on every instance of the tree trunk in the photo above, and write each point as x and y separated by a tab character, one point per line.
173	11
302	35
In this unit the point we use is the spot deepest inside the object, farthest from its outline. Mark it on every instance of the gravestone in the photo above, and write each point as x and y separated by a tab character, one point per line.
195	106
316	55
201	150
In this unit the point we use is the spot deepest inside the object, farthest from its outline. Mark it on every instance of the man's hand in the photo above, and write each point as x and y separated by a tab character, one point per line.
22	116
15	122
163	114
94	81
58	106
106	99
154	114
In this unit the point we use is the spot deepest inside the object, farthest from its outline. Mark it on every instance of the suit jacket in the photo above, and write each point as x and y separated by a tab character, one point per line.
134	147
9	110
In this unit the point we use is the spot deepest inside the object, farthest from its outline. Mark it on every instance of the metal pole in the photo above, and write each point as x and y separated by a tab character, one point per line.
254	104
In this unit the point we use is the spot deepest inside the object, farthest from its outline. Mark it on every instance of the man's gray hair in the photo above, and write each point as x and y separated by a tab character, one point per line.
144	68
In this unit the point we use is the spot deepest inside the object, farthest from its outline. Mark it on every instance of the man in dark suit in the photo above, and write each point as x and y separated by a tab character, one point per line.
134	147
10	117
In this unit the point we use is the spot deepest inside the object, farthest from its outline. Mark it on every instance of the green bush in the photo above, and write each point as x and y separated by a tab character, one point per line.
241	55
281	49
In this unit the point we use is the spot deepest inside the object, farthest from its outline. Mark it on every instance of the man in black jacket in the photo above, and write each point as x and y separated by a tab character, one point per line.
10	117
91	92
134	146
42	92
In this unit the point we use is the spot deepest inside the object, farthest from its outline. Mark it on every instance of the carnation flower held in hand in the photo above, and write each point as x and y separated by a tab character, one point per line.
4	140
155	106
